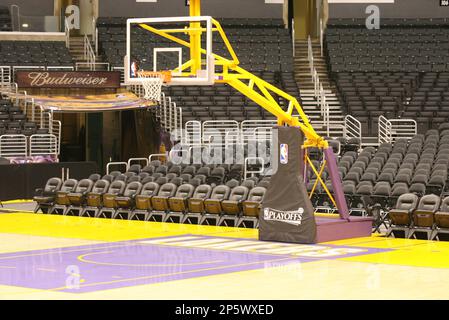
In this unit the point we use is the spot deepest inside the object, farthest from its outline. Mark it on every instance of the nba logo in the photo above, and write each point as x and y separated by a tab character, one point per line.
284	153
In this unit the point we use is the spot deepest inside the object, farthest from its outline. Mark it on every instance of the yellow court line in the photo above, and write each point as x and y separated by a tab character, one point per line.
45	269
176	273
82	259
17	201
15	210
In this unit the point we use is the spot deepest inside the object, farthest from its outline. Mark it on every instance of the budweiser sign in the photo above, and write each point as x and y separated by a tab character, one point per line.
68	79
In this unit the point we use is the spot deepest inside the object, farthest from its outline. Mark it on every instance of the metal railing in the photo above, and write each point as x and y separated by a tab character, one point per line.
110	164
293	37
95	34
60	68
138	160
5	77
89	53
403	129
352	128
384	130
15	17
259	130
192	133
214	128
321	36
92	66
13	145
67	33
246	169
56	130
390	130
43	144
122	73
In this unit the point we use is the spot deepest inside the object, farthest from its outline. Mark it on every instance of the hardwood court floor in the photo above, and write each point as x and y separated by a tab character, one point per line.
59	257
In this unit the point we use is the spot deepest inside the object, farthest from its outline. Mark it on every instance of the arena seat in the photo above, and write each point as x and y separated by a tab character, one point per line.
442	221
126	202
401	215
143	201
116	188
77	198
232	207
423	217
178	203
94	199
62	199
45	197
196	204
251	208
159	202
212	205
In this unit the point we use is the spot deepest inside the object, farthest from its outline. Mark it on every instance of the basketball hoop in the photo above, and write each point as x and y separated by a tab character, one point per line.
152	83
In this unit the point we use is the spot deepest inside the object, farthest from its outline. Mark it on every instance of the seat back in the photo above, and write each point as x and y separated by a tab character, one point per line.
429	202
202	191
232	183
167	190
84	185
135	168
220	192
108	178
94	177
150	189
69	185
445	205
248	183
101	186
205	171
407	201
175	169
185	191
53	185
117	187
132	189
257	194
239	193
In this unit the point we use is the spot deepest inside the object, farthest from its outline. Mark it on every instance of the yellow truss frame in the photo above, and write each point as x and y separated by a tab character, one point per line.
252	86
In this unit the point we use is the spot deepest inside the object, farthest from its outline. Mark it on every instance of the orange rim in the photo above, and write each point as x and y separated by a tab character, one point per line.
165	75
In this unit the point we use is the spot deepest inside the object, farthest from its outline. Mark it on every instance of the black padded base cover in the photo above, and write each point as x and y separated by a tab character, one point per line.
287	214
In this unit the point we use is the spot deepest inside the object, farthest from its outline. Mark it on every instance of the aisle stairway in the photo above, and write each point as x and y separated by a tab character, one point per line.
77	51
310	104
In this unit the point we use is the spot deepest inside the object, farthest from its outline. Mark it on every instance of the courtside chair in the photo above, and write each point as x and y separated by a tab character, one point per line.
62	200
126	202
212	206
401	216
424	217
441	231
45	197
159	202
94	199
196	204
178	204
232	207
116	189
143	201
77	198
251	208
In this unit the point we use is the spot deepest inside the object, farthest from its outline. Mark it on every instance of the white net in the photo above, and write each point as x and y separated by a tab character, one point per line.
152	85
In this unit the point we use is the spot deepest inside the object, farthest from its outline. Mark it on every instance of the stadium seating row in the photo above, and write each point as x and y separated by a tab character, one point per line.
35	53
14	121
420	218
236	205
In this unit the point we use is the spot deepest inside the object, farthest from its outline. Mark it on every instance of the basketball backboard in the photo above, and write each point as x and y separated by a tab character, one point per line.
182	45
